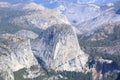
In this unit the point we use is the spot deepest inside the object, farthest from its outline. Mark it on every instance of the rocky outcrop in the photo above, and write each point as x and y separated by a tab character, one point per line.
56	45
15	54
28	16
101	68
5	72
26	33
59	49
53	40
36	15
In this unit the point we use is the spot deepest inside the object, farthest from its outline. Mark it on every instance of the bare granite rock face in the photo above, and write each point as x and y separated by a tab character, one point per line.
59	49
53	41
37	15
57	44
5	72
27	33
15	54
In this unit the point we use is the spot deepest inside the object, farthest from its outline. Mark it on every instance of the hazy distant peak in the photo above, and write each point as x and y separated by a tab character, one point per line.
4	4
110	4
34	6
90	5
16	1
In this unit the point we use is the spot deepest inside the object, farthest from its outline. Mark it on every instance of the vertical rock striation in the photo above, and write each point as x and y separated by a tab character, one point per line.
59	49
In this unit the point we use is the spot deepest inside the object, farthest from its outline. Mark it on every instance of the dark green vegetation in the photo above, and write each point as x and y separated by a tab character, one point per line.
111	77
93	47
65	75
19	75
7	26
76	76
112	39
6	15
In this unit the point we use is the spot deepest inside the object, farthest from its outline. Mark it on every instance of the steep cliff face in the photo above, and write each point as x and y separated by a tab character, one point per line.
103	68
15	54
53	41
59	49
56	45
19	52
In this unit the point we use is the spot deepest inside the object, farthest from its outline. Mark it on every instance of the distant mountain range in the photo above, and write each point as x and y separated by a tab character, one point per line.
59	40
77	11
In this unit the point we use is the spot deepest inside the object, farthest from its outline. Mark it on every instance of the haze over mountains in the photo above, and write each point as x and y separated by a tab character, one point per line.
49	34
59	40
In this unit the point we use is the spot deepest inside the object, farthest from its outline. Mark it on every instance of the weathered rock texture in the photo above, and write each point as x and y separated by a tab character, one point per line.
15	54
59	49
